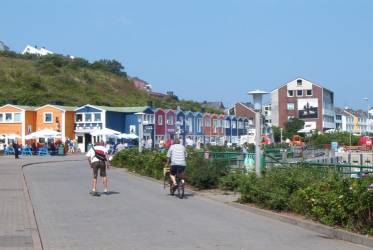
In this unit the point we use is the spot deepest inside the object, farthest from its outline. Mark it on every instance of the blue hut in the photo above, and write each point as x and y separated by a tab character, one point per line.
137	116
190	126
180	125
228	128
89	118
198	127
234	130
240	126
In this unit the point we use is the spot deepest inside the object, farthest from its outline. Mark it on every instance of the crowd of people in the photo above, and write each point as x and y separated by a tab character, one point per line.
33	147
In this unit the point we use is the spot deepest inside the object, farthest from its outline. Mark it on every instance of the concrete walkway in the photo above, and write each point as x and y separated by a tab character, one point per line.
18	228
139	214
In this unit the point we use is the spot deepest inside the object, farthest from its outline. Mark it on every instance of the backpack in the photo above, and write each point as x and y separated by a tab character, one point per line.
100	155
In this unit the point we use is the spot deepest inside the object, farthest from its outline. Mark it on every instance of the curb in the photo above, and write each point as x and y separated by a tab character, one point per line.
328	231
35	233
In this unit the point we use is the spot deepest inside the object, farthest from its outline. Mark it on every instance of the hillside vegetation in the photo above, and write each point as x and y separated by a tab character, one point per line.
34	80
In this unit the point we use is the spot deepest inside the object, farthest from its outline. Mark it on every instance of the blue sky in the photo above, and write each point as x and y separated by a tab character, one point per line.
211	49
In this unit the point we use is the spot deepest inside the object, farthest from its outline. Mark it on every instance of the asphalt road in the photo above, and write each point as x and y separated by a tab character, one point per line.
139	214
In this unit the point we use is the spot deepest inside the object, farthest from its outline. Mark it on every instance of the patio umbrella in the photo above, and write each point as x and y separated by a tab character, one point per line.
105	132
128	136
30	137
45	133
13	136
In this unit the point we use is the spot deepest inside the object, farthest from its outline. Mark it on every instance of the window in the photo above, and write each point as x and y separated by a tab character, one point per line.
290	93
8	117
170	120
199	124
208	123
299	92
234	124
97	117
309	92
17	117
79	117
190	125
160	120
181	120
1	117
299	82
291	106
290	117
88	117
227	124
80	139
48	117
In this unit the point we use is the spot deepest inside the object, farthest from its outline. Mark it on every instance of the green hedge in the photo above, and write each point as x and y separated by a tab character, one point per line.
200	173
324	196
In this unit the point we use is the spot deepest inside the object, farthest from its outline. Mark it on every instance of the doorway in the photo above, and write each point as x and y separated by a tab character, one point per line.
87	141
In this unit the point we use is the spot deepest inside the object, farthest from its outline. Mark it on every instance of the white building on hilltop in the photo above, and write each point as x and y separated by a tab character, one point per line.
36	51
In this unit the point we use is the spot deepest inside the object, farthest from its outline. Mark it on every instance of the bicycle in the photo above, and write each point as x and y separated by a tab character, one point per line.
179	182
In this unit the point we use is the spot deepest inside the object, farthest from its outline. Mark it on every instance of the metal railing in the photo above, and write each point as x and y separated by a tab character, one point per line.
273	158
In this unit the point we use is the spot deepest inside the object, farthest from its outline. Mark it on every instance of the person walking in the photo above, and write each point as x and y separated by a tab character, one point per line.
16	150
176	156
98	160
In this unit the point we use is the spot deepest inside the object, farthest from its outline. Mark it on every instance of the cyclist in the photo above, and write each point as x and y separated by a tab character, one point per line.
176	157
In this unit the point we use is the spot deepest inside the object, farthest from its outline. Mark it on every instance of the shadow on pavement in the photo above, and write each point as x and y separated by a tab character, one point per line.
110	193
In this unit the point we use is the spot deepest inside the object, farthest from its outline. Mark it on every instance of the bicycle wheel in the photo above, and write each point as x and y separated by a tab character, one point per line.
172	190
181	187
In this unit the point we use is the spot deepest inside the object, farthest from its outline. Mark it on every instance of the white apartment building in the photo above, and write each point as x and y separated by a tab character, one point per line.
36	51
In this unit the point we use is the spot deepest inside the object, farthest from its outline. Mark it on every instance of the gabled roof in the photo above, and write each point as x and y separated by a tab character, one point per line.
21	107
248	105
117	109
62	108
301	78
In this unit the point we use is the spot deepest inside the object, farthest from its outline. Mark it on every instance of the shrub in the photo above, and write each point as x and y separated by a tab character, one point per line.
200	173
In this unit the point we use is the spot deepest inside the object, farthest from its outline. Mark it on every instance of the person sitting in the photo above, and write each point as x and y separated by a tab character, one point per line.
176	156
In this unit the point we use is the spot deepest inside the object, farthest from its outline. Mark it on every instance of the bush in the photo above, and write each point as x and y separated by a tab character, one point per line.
231	181
325	196
200	173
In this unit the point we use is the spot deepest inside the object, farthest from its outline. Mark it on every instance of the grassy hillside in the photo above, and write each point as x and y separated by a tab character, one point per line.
32	80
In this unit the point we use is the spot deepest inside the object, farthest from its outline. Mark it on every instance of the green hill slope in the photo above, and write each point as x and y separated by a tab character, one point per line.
32	80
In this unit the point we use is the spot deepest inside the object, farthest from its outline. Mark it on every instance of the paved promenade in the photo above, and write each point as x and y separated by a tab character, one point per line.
18	228
140	215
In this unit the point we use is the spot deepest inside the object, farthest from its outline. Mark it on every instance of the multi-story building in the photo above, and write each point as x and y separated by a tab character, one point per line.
36	51
305	100
344	121
267	113
16	122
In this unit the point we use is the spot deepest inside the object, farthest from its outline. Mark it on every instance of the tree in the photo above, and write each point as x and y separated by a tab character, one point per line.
292	126
112	66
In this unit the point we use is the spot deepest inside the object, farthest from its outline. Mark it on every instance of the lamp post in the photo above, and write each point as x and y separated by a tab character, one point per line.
258	99
140	117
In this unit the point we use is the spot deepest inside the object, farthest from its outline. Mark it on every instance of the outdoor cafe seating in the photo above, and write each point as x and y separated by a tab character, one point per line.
43	151
9	151
26	150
